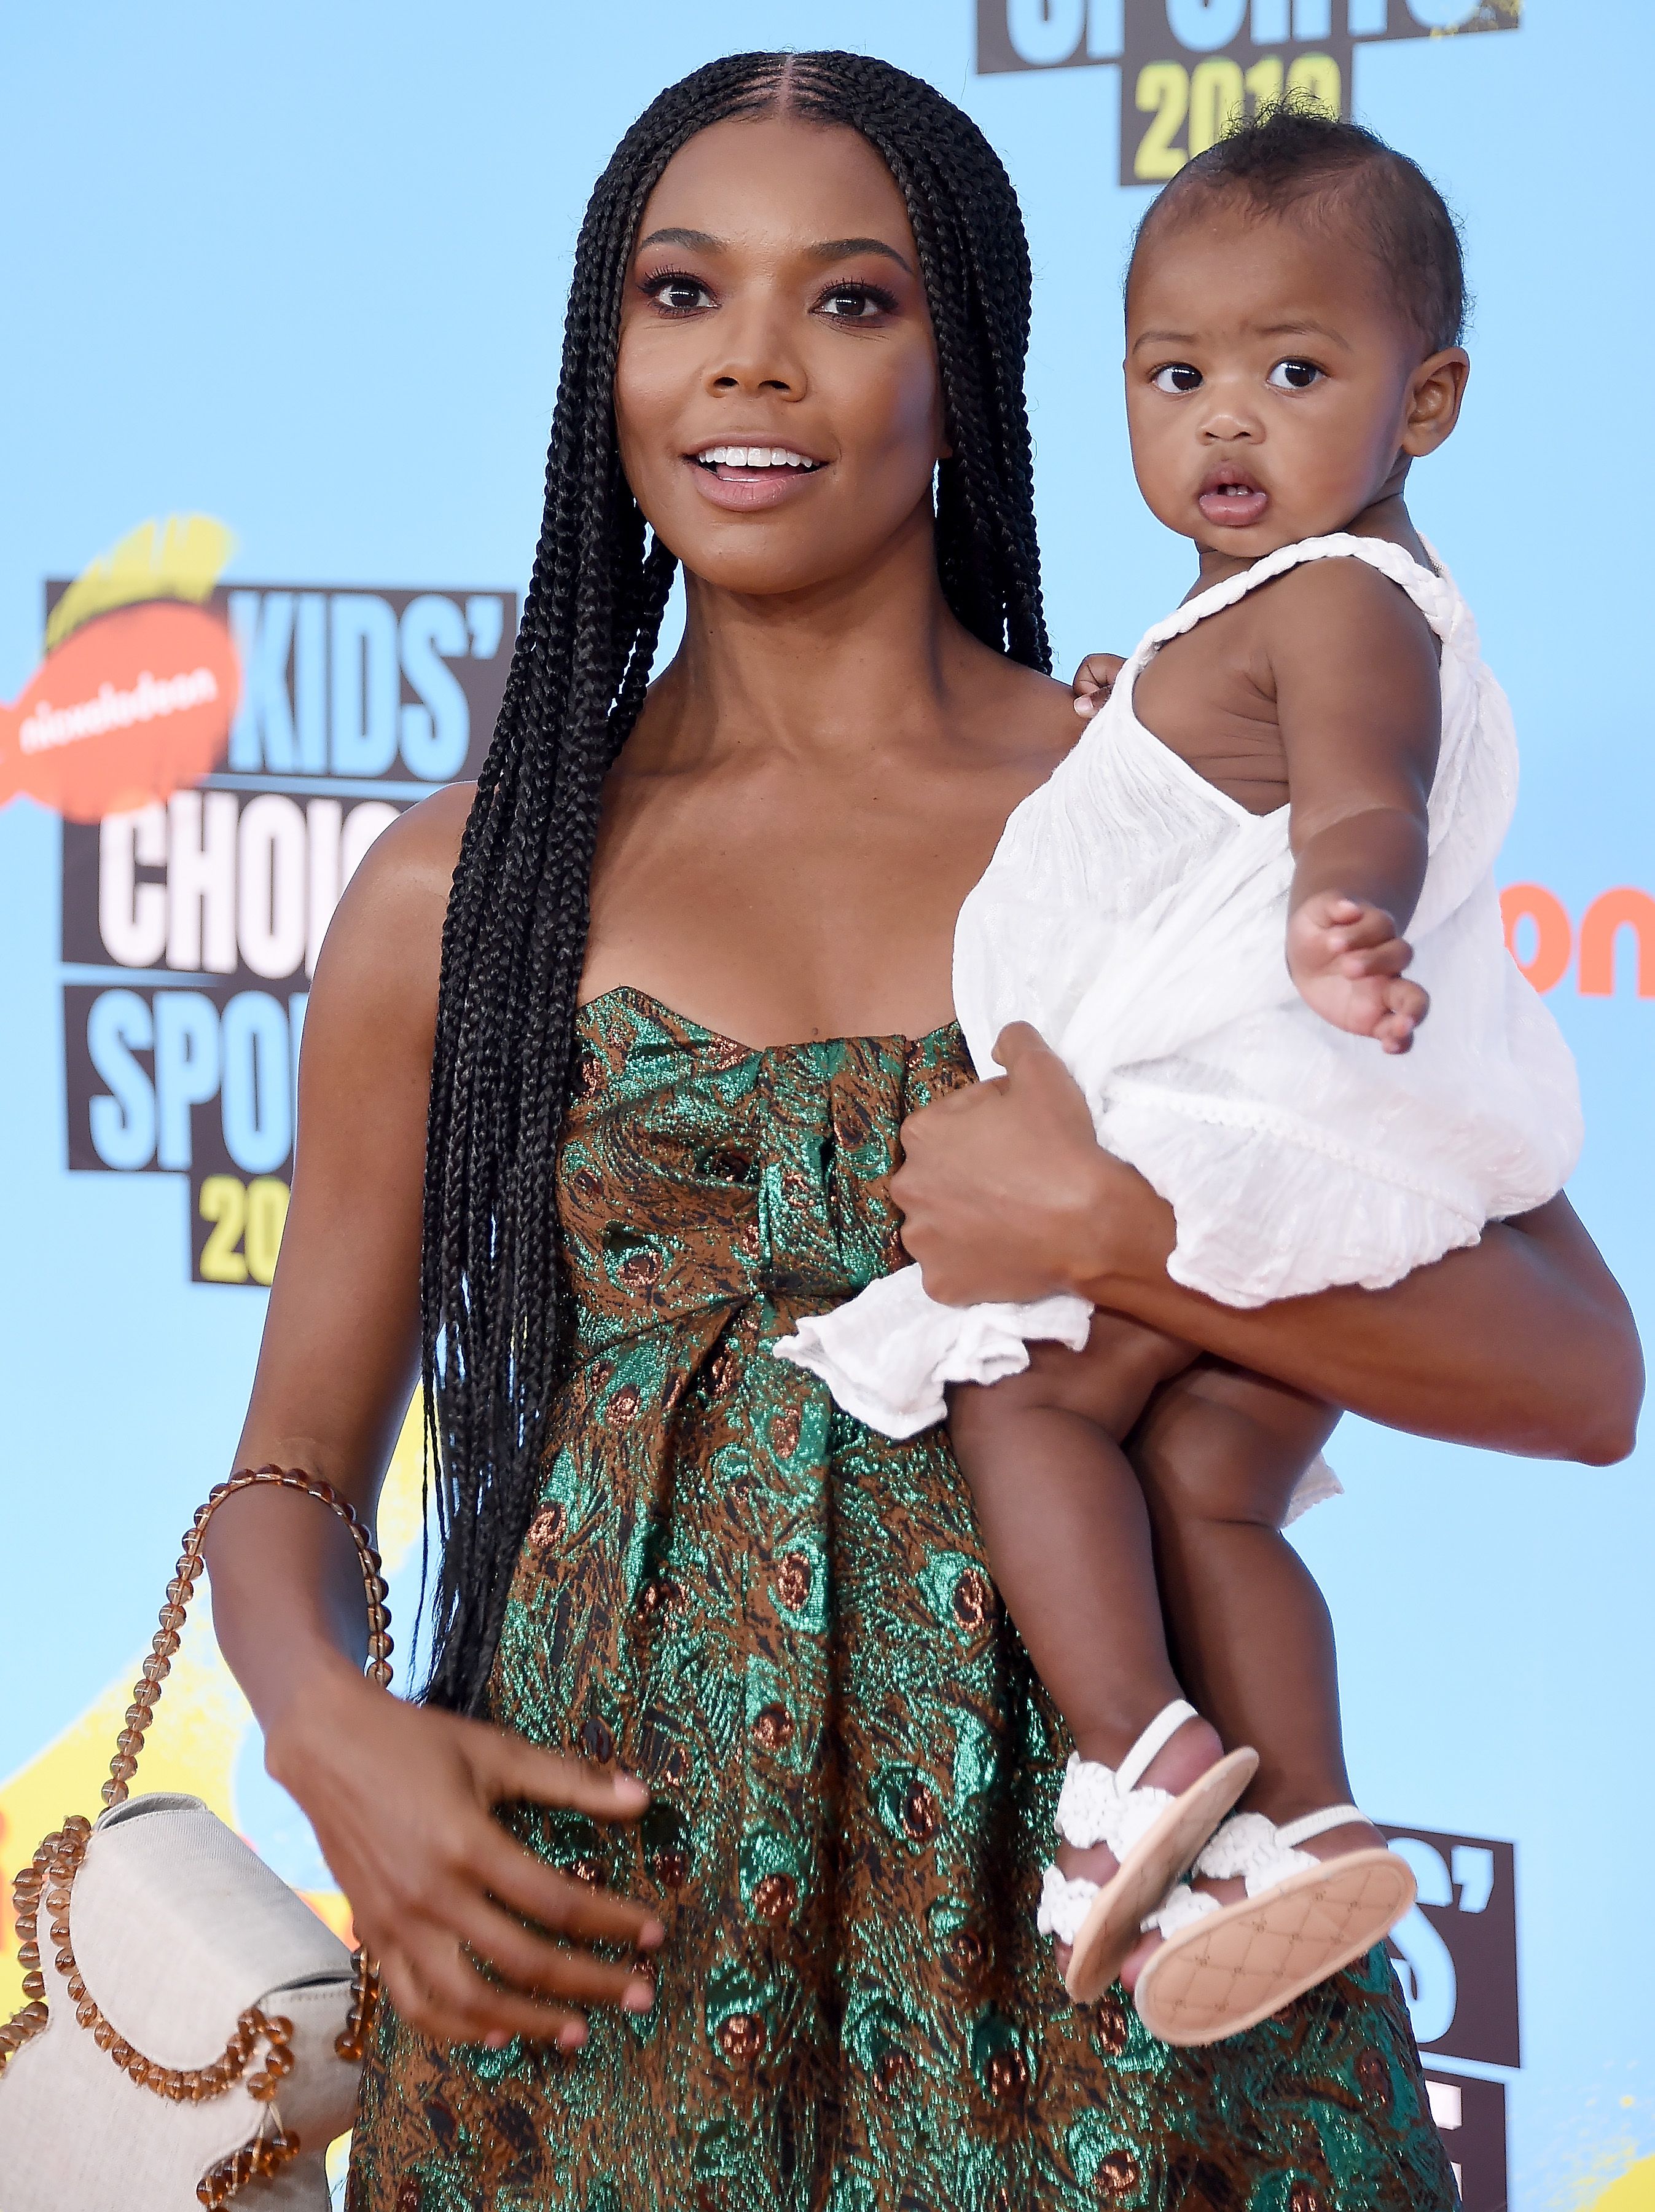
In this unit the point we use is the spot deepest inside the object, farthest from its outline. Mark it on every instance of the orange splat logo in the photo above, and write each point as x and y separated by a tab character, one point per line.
131	706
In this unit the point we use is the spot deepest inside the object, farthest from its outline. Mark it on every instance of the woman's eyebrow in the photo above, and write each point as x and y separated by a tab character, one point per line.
830	249
844	249
702	241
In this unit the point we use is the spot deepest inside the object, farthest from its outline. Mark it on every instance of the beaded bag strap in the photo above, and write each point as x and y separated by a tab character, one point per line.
50	1878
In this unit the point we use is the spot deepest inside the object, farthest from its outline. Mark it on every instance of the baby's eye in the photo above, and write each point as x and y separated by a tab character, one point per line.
1294	375
1177	376
855	303
679	295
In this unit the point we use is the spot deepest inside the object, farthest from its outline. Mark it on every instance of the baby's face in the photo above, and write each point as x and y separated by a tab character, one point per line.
1269	378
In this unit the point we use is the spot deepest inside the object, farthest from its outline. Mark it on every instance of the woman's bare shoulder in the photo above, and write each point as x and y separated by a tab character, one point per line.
383	954
421	848
1021	712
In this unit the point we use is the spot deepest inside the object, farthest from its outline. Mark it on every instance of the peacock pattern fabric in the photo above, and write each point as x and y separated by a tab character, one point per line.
1136	915
783	1623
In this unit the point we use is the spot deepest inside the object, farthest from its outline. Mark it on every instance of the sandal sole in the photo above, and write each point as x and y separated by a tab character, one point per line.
1114	1919
1238	1965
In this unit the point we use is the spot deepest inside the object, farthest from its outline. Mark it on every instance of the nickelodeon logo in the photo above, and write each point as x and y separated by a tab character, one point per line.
1543	939
223	756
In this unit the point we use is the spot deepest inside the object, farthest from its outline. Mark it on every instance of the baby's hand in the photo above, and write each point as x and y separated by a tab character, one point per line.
1094	679
1346	960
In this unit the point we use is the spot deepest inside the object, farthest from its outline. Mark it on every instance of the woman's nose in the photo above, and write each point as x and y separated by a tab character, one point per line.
755	357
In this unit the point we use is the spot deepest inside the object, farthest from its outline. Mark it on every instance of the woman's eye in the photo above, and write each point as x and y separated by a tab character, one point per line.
1294	375
1177	376
855	303
679	295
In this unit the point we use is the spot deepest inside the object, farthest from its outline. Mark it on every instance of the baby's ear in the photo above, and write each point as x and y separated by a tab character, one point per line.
1434	399
1094	679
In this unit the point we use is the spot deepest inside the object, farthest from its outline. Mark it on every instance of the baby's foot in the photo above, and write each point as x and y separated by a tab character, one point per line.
1179	1762
1347	959
1334	1842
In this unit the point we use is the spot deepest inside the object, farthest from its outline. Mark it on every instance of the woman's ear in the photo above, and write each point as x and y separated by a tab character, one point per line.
1435	395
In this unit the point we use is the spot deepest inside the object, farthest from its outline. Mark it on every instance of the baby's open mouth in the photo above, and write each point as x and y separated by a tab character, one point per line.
1230	498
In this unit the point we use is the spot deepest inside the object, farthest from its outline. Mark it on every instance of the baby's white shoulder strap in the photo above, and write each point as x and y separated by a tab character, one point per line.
1432	592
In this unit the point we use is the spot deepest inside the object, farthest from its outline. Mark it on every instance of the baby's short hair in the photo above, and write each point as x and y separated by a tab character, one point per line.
1293	156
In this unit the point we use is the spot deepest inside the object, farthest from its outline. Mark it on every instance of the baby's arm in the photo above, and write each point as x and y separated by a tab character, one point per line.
1359	701
1094	679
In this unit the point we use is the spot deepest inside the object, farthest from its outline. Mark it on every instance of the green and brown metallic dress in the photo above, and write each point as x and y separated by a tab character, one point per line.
783	1623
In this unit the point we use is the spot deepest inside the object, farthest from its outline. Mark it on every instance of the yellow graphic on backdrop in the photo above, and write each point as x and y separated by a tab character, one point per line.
181	557
1634	2192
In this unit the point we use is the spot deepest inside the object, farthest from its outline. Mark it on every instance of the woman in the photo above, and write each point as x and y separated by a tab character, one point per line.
682	1000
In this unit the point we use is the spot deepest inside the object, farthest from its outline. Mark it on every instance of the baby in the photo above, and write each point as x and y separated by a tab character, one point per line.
1204	912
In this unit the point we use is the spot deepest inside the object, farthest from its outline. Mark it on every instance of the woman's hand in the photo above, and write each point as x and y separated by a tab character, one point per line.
401	1798
1004	1190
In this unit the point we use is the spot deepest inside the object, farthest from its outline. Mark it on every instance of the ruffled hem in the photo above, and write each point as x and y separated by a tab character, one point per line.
1315	1487
1262	1217
888	1352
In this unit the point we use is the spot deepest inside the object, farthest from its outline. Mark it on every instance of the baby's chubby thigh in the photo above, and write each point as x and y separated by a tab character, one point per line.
1108	1383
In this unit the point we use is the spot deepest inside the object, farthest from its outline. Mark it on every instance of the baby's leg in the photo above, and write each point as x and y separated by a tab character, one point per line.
1068	1543
1064	1521
1218	1453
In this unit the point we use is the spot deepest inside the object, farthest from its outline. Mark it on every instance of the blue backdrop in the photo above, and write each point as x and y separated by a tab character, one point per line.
302	269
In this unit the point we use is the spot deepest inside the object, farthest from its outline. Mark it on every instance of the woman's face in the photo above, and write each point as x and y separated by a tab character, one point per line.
775	310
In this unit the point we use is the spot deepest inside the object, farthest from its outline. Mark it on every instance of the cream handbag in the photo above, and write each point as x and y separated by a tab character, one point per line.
194	2032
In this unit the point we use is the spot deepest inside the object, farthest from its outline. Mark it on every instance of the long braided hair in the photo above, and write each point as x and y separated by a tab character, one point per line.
494	1325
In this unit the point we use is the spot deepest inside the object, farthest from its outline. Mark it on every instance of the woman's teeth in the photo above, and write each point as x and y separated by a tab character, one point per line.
754	457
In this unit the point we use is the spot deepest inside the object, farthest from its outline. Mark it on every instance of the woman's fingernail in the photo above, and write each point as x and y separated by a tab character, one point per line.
649	1934
1084	708
639	1998
570	2035
496	2039
629	1787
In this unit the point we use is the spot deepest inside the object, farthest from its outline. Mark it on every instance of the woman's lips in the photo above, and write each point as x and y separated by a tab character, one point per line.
1232	505
743	488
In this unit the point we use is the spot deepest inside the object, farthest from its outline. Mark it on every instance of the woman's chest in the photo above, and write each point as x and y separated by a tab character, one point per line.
787	906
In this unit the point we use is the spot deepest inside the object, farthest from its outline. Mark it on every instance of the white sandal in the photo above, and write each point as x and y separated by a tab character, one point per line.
1153	1836
1225	1967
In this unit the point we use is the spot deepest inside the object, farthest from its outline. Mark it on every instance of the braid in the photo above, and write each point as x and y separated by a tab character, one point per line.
494	1318
974	258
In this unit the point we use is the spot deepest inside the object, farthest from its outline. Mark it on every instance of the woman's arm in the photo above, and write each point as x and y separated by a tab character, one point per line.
401	1798
1522	1344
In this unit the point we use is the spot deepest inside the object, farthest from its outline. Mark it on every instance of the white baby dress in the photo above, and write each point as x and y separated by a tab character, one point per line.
1137	917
